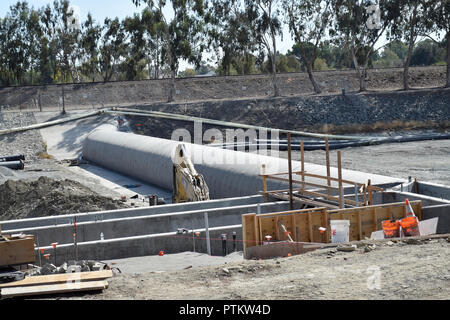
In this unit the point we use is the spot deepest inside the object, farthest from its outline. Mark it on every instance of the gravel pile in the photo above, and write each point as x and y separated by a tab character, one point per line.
28	143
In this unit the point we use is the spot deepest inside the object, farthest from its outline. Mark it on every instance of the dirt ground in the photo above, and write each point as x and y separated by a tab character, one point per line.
391	271
49	197
428	161
98	95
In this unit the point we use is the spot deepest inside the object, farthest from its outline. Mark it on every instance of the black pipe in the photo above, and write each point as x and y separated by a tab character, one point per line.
234	241
224	245
12	158
335	145
14	165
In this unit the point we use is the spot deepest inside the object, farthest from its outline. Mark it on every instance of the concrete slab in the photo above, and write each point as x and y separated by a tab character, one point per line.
65	141
118	182
171	262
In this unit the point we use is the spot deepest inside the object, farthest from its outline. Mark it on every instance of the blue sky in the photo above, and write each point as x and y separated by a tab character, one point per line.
100	9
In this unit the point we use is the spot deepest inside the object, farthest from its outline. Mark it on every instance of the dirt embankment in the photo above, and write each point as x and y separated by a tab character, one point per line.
194	89
330	114
49	197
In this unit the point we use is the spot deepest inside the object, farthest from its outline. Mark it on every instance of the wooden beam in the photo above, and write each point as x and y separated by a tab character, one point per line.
291	202
310	228
53	289
327	153
341	189
60	278
265	183
311	175
304	201
302	158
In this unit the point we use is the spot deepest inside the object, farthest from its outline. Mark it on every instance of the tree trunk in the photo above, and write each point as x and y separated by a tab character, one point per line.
361	72
274	78
274	66
172	86
311	77
447	84
362	80
407	64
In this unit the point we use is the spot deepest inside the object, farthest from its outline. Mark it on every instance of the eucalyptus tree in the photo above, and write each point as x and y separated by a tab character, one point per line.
112	48
308	22
90	37
183	37
359	25
264	20
134	63
229	35
412	23
440	19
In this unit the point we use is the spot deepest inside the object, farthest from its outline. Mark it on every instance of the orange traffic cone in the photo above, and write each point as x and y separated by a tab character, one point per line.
409	209
410	224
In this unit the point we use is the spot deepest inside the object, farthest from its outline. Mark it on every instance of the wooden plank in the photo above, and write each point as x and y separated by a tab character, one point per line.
302	156
341	189
17	251
294	227
369	184
248	230
53	289
312	175
305	201
60	278
310	227
327	156
359	227
265	183
327	234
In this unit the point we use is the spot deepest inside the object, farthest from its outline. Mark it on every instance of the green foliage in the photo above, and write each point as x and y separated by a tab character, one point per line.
428	53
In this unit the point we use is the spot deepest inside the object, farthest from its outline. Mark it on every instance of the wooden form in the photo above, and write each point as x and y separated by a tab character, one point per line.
60	278
16	251
367	193
53	289
303	225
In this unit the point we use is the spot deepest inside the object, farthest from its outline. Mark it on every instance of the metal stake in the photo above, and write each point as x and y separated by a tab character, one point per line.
208	240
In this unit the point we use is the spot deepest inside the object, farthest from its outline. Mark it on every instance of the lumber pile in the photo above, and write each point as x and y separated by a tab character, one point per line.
56	284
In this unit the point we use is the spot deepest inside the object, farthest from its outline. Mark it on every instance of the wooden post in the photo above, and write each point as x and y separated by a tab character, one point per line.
369	187
303	164
310	228
266	197
327	151
63	100
341	191
291	200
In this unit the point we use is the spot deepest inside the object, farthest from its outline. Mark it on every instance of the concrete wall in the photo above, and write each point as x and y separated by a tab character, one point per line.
125	213
393	197
434	190
146	245
154	224
443	213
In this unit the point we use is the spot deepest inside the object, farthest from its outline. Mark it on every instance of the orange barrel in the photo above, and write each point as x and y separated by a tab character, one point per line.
391	229
410	227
